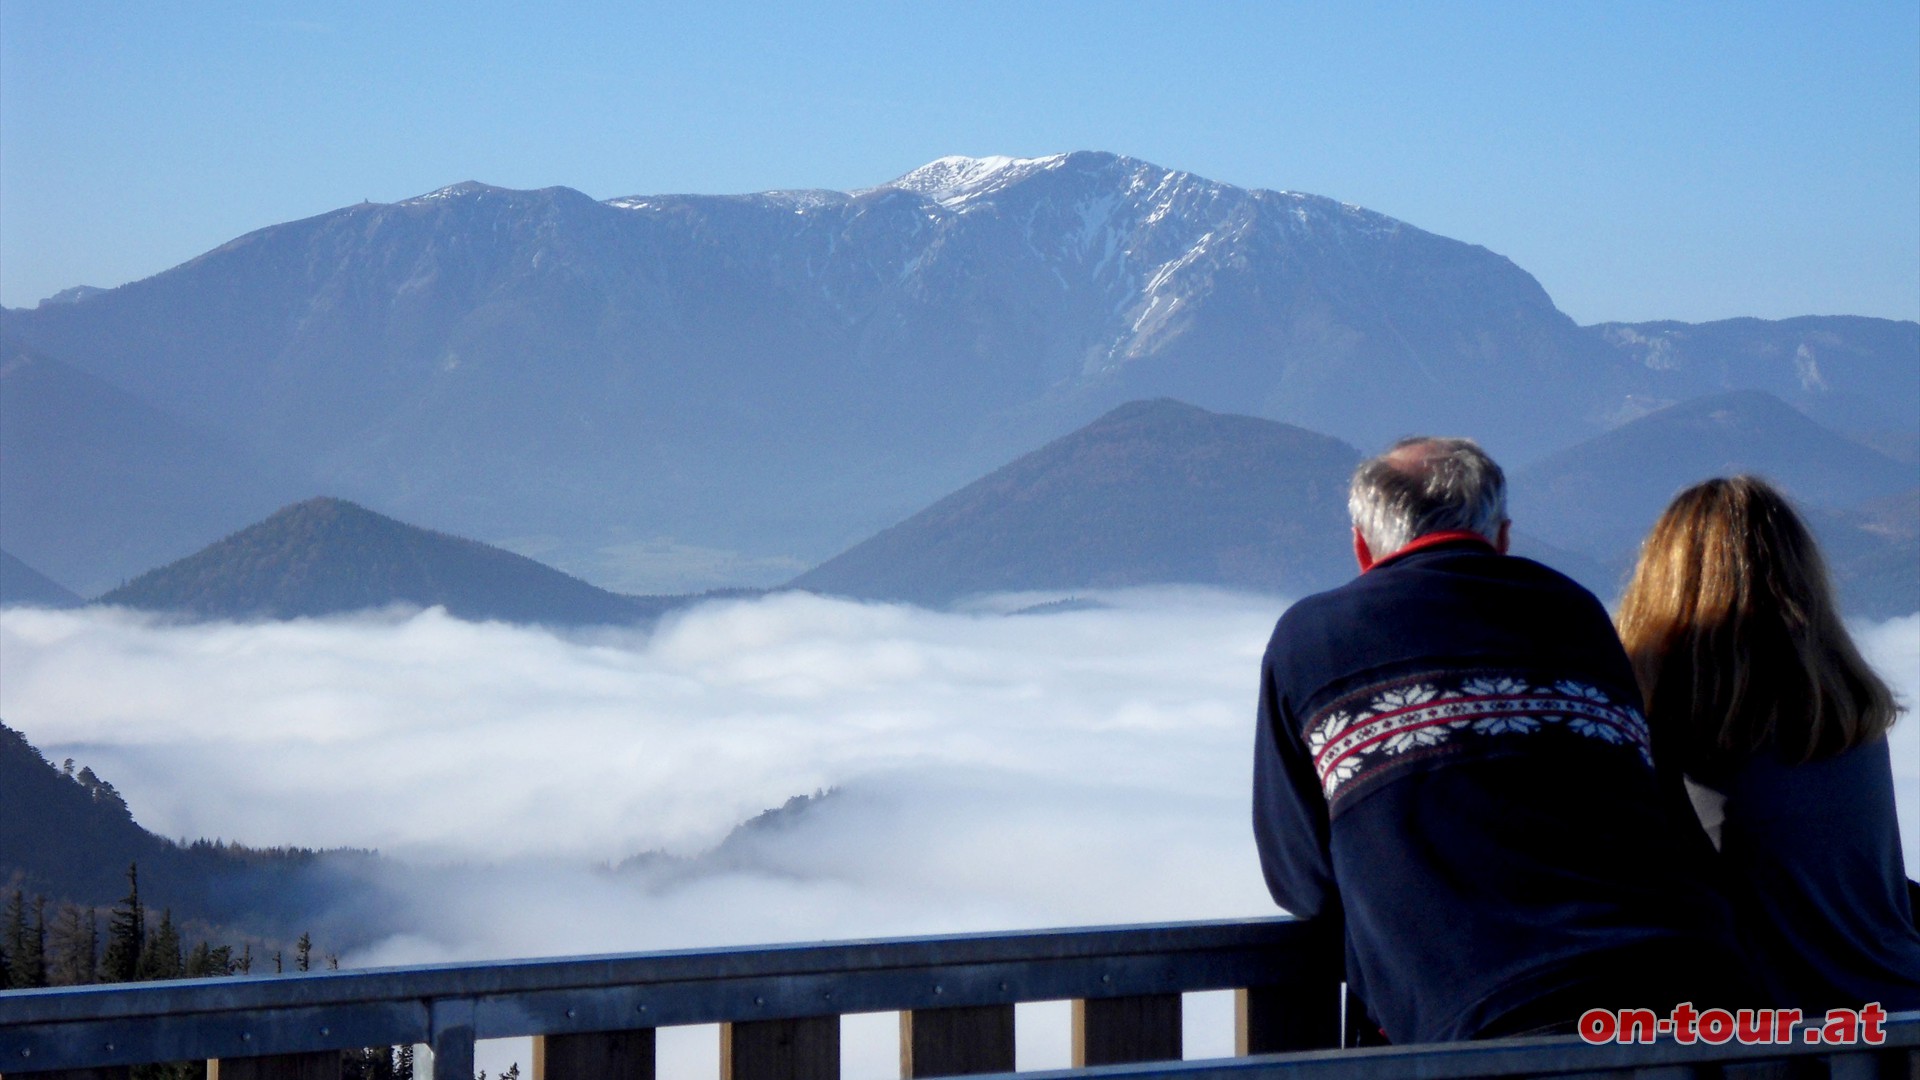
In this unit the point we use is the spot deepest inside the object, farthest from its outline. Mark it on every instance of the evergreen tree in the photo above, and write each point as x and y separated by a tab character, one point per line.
208	961
32	966
92	953
303	952
244	965
15	930
126	934
161	957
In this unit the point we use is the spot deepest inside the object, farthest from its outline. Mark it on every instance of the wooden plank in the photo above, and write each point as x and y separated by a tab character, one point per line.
804	1048
1117	1030
450	1049
1278	1019
595	1055
956	1042
325	1065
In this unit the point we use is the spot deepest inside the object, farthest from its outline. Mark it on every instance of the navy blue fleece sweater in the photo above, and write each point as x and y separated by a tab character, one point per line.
1451	758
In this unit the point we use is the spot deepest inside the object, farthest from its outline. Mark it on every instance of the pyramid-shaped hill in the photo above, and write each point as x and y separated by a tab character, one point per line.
327	556
1153	492
23	585
1601	497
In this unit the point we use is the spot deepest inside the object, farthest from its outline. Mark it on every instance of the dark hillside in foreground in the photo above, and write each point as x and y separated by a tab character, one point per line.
1152	492
329	556
67	835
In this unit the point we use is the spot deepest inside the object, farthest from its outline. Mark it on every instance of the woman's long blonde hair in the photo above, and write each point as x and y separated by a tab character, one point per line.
1733	633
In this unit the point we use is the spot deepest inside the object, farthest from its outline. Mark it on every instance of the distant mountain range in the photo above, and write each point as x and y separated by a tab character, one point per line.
777	376
1162	492
329	556
1154	492
1858	377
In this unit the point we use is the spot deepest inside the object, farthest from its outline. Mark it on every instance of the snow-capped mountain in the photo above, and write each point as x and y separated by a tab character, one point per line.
777	375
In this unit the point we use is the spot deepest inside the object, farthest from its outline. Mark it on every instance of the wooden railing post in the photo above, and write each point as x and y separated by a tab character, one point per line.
325	1065
1291	1016
452	1048
803	1048
956	1041
1117	1030
596	1055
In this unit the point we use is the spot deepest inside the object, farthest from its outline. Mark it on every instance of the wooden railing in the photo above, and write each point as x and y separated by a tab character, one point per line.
779	1010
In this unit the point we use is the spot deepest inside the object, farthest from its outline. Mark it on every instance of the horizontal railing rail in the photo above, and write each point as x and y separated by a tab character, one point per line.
1292	965
779	1006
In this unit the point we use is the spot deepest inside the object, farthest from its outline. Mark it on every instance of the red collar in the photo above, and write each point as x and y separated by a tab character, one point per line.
1433	539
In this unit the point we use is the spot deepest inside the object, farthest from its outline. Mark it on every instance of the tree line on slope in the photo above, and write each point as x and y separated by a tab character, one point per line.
68	951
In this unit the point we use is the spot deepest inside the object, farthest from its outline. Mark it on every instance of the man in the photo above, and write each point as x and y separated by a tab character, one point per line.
1451	758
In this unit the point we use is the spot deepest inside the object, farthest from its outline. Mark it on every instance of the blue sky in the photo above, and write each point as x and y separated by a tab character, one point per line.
1690	161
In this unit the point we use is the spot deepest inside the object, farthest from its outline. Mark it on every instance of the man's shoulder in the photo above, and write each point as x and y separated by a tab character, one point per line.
1457	605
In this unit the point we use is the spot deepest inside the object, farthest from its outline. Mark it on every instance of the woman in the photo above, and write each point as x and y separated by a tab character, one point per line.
1755	691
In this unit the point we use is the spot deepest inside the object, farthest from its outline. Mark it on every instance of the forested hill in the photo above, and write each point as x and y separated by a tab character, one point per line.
327	556
1154	492
67	835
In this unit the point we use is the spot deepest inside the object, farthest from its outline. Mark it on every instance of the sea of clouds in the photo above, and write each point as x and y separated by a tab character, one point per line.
985	770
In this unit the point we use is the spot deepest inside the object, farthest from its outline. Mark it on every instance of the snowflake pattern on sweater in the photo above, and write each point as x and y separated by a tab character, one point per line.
1368	733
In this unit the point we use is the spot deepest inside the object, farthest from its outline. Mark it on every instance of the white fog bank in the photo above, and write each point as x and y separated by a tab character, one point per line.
987	772
991	771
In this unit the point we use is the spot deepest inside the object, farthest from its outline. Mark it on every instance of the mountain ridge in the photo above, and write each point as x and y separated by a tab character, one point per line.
777	375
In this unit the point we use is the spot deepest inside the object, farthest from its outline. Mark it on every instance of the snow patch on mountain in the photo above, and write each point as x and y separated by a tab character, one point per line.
452	191
954	180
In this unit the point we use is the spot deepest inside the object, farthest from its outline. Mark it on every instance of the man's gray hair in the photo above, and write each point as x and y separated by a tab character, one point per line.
1425	485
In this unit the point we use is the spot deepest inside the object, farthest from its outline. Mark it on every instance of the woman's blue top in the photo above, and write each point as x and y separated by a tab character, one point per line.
1813	863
